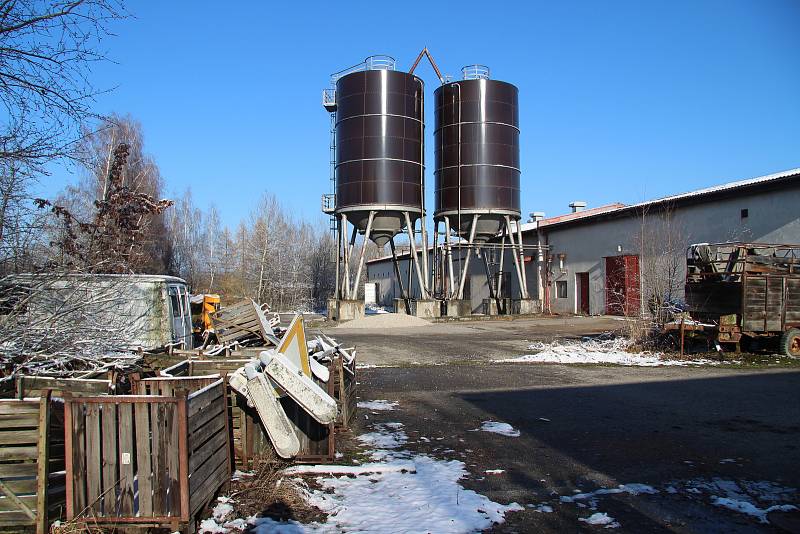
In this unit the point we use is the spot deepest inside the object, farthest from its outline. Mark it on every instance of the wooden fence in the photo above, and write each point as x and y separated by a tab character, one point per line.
31	462
150	460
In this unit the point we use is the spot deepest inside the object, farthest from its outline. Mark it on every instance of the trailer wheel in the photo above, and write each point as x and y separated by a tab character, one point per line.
790	343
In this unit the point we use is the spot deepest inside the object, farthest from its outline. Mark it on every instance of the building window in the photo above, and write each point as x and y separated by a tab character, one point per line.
561	289
745	213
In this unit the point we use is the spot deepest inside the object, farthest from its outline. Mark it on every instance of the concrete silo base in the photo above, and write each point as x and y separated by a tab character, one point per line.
428	309
526	306
490	306
345	310
458	308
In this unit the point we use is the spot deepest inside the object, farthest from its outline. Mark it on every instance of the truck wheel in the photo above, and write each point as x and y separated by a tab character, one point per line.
790	343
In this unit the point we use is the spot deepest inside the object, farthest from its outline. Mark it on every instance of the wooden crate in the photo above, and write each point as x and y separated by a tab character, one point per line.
31	462
168	385
172	451
32	386
343	377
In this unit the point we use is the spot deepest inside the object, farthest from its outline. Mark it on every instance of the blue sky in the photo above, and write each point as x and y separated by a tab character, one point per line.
620	101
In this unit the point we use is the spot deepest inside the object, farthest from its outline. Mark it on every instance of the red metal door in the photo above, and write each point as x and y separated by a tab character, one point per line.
583	292
622	285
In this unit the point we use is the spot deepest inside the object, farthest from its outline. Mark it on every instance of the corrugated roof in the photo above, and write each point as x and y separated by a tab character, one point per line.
614	208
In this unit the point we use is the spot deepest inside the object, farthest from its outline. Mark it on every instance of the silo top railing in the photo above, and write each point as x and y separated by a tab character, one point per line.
378	62
475	72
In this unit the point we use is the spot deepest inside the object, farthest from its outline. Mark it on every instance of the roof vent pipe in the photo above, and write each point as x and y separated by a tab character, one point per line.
578	205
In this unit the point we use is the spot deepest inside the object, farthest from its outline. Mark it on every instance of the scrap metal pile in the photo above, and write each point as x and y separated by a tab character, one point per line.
294	369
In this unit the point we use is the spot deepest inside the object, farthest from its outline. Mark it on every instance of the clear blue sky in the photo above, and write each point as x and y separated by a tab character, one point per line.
620	101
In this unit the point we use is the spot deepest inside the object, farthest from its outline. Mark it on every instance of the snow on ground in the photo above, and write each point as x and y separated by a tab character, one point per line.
494	471
405	492
378	405
588	350
385	436
753	498
601	519
498	428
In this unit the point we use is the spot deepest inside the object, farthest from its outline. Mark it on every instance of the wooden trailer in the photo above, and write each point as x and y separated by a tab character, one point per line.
747	291
31	462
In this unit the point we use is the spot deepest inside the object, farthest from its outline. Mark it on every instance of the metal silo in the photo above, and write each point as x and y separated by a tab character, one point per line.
377	118
477	171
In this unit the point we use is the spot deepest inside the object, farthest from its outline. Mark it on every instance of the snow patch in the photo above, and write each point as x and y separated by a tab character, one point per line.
594	351
494	471
498	428
378	405
600	518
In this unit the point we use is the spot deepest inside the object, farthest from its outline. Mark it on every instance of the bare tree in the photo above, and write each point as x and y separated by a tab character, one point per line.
47	49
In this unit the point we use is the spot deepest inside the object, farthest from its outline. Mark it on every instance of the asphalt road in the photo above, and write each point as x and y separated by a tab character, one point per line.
687	432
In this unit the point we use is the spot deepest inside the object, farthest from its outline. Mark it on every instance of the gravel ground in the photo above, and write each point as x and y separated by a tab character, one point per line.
384	320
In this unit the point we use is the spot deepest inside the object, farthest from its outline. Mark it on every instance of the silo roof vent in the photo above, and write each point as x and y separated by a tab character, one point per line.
578	205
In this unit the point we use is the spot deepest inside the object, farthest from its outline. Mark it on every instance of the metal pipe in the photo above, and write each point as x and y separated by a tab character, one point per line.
363	252
522	261
469	255
415	258
399	277
338	253
451	274
500	273
514	254
434	255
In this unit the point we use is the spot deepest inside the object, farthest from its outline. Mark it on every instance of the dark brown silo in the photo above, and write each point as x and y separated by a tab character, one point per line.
476	143
379	149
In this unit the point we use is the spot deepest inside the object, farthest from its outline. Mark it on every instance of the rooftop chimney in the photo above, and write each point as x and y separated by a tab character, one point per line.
578	205
536	216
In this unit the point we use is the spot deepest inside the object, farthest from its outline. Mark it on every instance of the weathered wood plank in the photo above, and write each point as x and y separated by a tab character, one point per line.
19	437
207	468
93	458
18	470
110	471
25	420
156	423
18	453
19	407
144	469
8	505
203	494
215	409
198	457
125	459
173	460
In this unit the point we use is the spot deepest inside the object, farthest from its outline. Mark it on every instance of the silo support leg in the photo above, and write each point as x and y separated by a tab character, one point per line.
450	271
465	267
434	257
415	258
354	292
522	261
424	254
338	255
403	294
515	256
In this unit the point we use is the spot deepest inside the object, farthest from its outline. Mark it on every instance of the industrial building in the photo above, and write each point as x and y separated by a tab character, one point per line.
613	259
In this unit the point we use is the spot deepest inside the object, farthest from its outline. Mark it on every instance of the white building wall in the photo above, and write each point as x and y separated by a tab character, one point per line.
773	217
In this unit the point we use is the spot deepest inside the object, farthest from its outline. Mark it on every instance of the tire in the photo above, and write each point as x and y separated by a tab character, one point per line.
790	343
